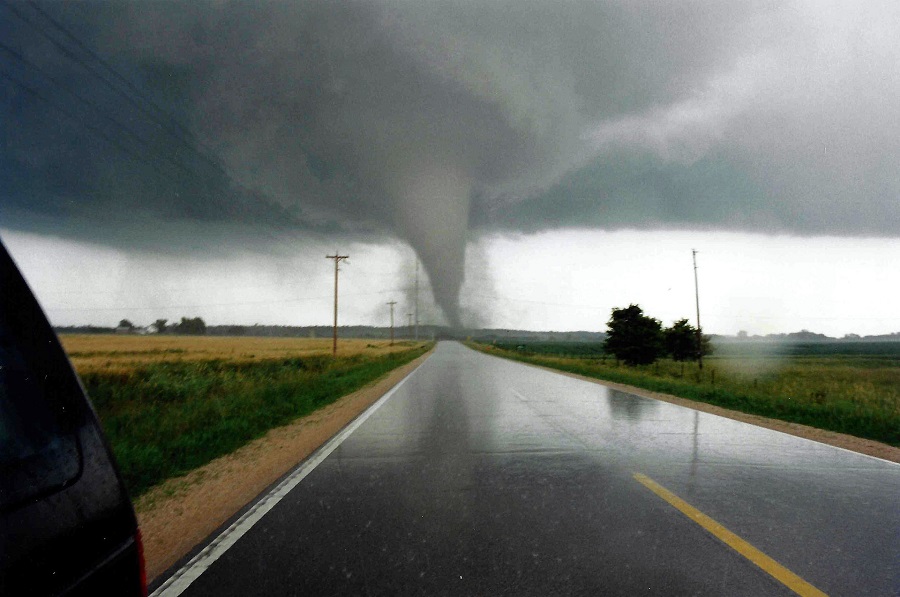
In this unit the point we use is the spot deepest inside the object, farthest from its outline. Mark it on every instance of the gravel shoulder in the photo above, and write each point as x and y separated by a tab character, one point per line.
180	513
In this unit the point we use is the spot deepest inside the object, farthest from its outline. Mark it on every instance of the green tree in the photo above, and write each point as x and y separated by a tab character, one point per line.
681	341
633	337
126	324
190	326
160	325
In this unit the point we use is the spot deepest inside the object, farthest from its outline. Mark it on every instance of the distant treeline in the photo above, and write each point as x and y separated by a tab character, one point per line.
426	332
508	336
83	329
889	350
844	348
807	336
265	331
551	348
317	331
505	336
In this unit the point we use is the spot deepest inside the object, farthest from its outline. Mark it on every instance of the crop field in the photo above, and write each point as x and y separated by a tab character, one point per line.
852	388
169	404
101	352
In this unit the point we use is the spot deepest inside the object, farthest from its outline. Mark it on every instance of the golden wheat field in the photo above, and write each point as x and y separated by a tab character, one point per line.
106	352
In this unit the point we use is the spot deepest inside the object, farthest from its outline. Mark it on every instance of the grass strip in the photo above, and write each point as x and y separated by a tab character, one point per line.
165	419
826	393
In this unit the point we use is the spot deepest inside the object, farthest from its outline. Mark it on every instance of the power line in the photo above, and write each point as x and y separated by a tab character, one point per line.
199	306
87	125
218	287
131	100
167	289
548	304
227	304
103	114
28	89
68	53
192	179
699	330
803	318
121	78
173	128
162	177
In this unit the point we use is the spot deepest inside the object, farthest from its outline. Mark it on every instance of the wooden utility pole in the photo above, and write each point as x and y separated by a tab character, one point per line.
337	259
697	296
417	300
392	303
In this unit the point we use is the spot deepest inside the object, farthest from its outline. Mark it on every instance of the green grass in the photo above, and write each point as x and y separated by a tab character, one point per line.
857	394
164	419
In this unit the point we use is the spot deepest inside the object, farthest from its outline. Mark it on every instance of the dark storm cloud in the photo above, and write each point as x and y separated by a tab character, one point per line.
426	120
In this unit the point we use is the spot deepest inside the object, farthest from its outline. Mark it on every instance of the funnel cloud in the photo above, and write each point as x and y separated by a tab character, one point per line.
243	124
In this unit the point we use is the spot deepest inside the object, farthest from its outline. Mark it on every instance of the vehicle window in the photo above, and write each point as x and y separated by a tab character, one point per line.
37	454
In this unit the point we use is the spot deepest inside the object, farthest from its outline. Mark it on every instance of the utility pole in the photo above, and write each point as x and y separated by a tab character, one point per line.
337	259
392	303
417	300
697	296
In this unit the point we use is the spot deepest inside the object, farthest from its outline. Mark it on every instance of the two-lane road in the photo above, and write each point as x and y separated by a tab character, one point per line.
480	476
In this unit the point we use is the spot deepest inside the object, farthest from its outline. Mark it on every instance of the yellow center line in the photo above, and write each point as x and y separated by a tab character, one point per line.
770	566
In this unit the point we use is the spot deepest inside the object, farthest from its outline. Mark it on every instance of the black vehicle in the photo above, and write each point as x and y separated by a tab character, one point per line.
67	526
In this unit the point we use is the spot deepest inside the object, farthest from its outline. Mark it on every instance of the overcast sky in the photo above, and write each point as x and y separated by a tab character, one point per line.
545	160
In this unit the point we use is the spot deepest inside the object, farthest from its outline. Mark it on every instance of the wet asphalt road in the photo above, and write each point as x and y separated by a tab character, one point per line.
481	476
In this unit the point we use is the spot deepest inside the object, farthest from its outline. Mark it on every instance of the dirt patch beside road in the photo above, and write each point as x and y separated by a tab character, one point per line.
182	512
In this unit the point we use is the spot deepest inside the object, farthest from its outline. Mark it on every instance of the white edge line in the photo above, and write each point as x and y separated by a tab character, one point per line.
598	381
182	579
815	441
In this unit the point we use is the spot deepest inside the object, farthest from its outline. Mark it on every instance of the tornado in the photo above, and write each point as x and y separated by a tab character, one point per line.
432	213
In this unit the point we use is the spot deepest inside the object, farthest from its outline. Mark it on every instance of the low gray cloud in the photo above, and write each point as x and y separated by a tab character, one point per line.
436	121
